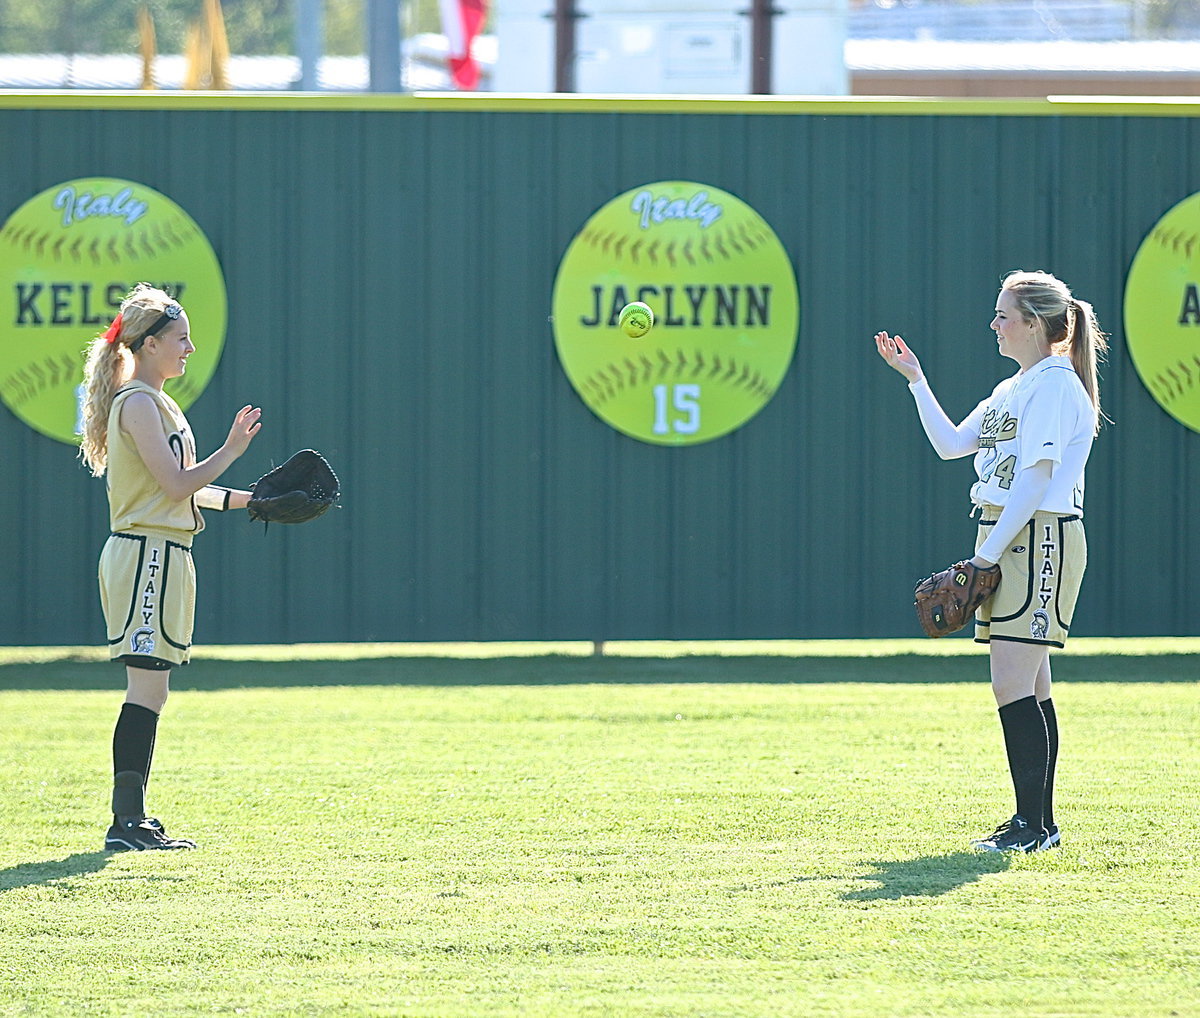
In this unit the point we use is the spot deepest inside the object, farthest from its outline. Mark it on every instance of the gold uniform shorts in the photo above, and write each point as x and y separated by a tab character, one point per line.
148	593
1040	575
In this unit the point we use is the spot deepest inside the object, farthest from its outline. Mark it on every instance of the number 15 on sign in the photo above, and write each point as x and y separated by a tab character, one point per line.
677	409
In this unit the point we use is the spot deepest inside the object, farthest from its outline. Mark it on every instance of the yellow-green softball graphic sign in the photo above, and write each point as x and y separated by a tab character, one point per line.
1162	312
725	304
67	258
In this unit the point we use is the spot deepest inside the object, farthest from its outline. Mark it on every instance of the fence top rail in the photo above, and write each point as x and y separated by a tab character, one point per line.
429	102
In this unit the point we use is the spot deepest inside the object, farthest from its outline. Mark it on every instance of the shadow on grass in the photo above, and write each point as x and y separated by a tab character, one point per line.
204	674
30	874
926	877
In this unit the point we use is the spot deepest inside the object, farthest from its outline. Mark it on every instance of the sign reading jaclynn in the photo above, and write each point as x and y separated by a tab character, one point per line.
67	257
725	304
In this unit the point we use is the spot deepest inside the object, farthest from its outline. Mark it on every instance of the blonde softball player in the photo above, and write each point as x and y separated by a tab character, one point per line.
1031	439
136	433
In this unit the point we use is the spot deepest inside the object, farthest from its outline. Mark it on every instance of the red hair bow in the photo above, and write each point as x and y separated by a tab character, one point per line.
114	330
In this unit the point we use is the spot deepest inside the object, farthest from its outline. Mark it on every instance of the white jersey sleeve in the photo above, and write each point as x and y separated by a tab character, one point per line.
1040	414
949	441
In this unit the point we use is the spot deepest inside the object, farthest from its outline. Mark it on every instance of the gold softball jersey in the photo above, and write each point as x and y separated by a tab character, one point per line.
147	580
135	498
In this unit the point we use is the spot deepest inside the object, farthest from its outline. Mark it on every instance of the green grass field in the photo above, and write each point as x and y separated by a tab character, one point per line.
645	833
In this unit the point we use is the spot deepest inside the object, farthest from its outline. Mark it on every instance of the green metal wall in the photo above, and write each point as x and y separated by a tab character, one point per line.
389	268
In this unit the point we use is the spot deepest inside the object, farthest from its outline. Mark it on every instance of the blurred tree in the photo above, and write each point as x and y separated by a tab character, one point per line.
254	27
1172	18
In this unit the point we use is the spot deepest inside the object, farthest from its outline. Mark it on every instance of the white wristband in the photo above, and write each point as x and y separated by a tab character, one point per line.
213	496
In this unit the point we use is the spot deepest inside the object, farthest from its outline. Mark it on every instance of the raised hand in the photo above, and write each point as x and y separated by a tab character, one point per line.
245	426
898	355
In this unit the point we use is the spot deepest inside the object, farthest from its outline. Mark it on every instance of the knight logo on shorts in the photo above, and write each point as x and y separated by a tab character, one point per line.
141	641
1039	626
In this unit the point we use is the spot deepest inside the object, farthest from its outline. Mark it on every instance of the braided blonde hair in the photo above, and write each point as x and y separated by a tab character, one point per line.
109	365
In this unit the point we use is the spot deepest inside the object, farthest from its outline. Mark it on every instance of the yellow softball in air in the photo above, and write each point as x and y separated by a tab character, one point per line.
636	319
717	345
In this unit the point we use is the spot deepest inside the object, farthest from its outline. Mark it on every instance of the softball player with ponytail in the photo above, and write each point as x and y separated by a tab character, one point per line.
1031	439
137	434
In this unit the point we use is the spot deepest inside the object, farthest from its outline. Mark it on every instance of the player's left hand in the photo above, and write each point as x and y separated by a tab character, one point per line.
296	491
947	600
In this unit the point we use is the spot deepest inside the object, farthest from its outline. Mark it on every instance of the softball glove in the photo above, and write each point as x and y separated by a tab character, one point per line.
946	601
297	491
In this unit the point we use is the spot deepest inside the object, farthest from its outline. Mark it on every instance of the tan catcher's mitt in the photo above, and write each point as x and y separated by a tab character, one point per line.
946	601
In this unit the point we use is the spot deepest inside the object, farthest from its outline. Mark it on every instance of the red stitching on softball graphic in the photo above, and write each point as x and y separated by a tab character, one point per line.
612	379
26	382
144	243
69	368
169	234
1168	389
1174	240
726	244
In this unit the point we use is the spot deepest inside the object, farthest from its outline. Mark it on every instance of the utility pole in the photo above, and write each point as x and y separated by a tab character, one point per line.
383	45
310	42
565	15
762	30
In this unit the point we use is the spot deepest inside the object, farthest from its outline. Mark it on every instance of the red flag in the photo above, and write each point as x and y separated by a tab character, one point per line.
462	20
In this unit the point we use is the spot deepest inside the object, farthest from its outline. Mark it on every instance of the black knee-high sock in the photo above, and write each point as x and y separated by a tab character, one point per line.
150	752
1051	716
133	740
1028	749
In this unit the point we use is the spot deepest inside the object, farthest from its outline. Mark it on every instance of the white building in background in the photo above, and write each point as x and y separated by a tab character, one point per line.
691	47
889	47
423	66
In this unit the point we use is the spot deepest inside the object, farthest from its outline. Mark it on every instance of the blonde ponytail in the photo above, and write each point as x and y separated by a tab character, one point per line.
1088	346
1069	324
109	365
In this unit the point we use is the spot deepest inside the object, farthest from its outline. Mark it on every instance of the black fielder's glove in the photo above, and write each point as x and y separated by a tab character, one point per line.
946	601
297	491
